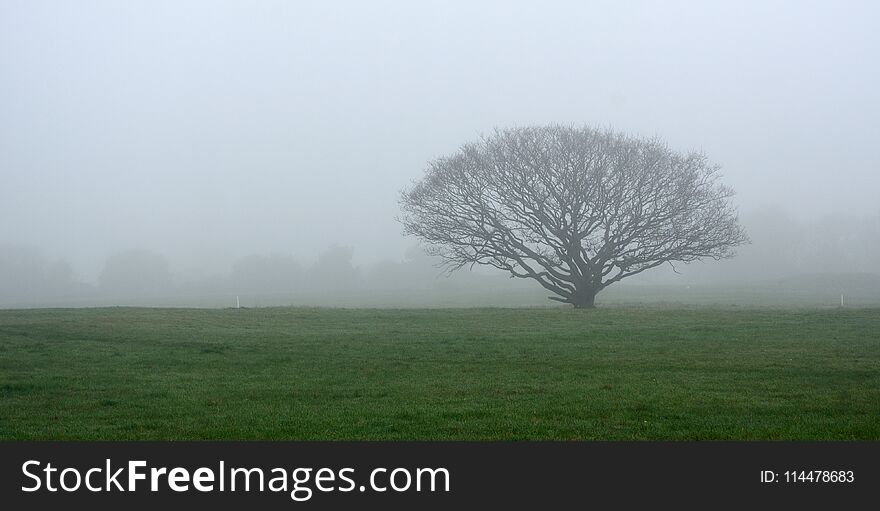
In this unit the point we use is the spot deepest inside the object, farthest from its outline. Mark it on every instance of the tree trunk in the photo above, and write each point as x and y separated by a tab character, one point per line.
583	299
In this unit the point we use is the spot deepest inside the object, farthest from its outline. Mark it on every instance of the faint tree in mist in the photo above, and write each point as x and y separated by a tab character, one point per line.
27	276
334	270
274	274
417	270
135	273
576	209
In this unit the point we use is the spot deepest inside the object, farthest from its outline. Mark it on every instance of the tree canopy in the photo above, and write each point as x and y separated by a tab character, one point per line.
574	208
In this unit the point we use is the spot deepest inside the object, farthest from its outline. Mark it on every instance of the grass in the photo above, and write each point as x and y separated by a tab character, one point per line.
500	374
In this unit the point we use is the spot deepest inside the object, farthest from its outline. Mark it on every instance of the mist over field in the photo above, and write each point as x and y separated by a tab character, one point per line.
222	153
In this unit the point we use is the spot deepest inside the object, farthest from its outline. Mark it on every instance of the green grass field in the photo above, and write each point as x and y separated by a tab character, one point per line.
554	373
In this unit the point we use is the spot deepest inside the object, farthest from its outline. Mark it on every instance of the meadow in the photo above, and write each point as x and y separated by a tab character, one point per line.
613	373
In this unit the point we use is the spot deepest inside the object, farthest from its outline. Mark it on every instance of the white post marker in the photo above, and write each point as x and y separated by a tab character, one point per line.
841	299
238	303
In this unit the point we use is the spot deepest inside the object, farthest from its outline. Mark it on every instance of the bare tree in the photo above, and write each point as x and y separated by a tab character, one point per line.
576	209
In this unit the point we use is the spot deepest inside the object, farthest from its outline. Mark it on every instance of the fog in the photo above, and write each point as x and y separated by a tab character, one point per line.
187	153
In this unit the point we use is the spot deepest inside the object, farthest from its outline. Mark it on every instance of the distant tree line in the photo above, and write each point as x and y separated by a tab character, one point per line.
781	246
28	278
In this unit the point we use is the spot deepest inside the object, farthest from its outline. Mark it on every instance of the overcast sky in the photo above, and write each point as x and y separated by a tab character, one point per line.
210	130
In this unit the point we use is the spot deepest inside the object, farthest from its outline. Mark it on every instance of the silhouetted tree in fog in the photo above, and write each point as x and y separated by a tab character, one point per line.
576	209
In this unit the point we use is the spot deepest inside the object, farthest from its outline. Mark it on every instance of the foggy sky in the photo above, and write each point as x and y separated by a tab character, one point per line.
207	131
